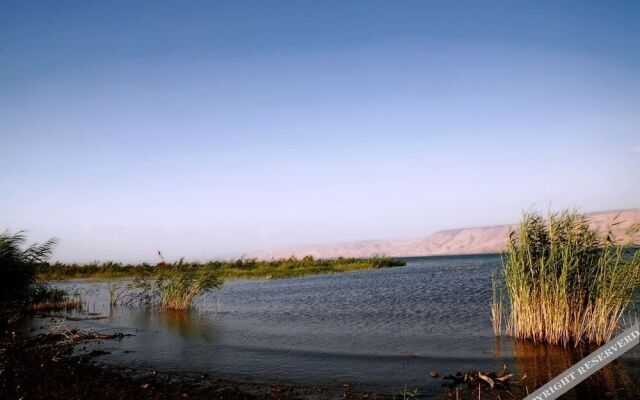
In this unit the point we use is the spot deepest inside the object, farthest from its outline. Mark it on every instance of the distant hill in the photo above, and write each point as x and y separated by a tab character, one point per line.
487	239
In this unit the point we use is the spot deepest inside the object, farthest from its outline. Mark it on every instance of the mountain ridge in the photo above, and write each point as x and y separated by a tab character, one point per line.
472	240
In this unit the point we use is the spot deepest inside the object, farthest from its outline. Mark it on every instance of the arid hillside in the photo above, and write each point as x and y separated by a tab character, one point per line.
486	239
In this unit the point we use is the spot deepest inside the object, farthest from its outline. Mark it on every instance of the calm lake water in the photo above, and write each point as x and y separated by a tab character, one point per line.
378	330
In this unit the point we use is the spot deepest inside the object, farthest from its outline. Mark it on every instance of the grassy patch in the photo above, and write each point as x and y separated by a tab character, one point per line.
243	268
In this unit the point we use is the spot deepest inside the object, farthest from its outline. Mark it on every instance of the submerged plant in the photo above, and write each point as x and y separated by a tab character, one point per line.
175	289
409	394
43	293
565	283
115	293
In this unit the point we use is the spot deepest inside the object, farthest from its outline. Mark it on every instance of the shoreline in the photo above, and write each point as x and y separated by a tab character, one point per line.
50	366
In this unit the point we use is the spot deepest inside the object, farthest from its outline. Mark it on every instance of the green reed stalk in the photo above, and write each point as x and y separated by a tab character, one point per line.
496	307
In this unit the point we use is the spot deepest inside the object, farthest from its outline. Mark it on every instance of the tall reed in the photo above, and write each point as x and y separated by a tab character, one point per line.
565	283
496	307
43	297
18	264
175	289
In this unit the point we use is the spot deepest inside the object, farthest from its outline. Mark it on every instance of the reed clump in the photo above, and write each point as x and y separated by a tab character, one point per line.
566	283
18	263
43	298
66	305
175	289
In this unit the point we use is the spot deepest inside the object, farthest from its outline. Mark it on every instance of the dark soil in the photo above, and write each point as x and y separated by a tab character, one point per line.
54	366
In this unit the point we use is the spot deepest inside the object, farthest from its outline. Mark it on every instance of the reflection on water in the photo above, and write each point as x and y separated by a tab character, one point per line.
542	363
188	324
379	329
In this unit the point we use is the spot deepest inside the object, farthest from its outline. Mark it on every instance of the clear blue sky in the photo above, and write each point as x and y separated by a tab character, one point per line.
207	129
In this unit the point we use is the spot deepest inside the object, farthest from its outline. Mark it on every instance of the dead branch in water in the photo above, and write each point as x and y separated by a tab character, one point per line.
480	383
75	335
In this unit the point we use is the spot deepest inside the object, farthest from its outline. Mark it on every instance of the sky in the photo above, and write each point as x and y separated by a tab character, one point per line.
211	129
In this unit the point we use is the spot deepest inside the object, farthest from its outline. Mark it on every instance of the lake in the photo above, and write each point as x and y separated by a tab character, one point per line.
378	330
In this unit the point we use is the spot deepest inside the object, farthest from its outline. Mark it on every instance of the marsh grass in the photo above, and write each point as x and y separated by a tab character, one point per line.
177	286
565	283
242	268
18	287
42	292
295	267
175	289
496	307
42	298
116	291
18	263
66	305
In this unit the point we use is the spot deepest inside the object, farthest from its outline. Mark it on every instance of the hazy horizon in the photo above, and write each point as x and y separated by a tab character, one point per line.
209	130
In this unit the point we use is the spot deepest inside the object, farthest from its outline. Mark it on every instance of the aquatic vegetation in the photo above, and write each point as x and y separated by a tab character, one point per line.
65	305
18	287
496	307
409	394
295	267
171	290
241	268
565	282
43	297
18	265
41	292
116	291
176	286
108	270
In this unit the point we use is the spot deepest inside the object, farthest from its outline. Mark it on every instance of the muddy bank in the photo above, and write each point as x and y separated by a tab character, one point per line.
59	366
63	365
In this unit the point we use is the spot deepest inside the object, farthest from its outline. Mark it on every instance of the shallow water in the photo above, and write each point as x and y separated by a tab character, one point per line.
379	329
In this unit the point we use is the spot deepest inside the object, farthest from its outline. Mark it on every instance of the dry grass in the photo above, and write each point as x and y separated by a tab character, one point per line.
66	305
